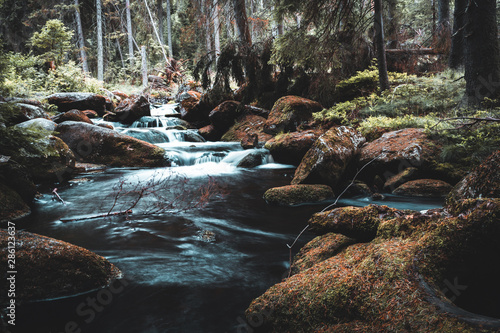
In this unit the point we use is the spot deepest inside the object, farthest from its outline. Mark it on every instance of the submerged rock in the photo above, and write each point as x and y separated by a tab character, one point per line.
290	148
289	113
398	282
49	268
99	145
298	194
252	160
329	157
424	188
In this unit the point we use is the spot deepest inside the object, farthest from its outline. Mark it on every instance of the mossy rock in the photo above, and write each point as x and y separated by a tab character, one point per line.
482	182
292	195
290	148
397	180
424	188
328	158
318	250
49	268
398	282
289	113
359	223
13	206
247	125
94	144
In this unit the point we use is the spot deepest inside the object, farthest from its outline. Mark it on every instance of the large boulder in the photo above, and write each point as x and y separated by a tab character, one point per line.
191	109
289	113
328	158
290	148
100	145
13	207
396	151
32	111
50	268
72	115
38	124
78	101
224	115
130	110
423	272
482	182
292	195
247	125
424	188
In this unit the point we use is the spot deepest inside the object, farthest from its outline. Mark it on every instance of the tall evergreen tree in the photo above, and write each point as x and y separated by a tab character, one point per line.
380	44
457	40
100	49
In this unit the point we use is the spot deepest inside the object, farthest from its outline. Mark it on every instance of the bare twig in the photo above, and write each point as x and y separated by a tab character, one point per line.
56	196
474	121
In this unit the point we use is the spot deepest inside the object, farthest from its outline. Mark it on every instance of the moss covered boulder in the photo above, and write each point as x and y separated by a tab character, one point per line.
397	180
396	151
38	124
100	145
359	223
290	148
247	125
318	250
289	113
421	273
298	194
49	268
130	110
424	188
224	115
80	101
13	206
482	182
328	158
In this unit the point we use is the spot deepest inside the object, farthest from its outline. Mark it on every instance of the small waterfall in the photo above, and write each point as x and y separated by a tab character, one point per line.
155	122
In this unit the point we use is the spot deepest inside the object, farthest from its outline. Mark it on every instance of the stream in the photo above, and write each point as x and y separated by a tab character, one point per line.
185	270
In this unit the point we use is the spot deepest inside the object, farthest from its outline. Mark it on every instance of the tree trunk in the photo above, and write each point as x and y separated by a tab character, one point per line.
380	45
129	34
144	67
393	23
100	51
169	30
159	9
216	29
443	33
457	40
81	40
240	15
156	33
482	55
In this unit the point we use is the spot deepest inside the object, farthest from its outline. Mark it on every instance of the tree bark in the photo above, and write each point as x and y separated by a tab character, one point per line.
144	67
393	23
456	60
380	45
100	51
129	34
240	14
482	55
169	30
81	40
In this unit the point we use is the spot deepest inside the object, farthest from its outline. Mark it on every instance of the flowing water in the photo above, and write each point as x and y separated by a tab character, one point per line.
193	270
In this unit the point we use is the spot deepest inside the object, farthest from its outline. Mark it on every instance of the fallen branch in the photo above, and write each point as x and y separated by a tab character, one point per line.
475	120
81	218
55	196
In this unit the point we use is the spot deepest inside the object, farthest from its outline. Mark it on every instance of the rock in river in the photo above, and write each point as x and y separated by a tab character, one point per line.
50	268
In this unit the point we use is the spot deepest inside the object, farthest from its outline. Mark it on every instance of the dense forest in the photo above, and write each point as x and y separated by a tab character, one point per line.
183	143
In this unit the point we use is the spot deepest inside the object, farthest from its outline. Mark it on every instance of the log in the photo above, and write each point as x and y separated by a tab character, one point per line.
421	51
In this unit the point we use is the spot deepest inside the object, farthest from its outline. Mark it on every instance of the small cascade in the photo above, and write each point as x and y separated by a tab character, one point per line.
165	110
155	122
